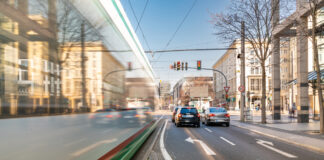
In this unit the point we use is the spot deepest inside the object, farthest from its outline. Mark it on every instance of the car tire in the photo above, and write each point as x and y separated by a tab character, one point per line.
227	124
177	124
198	125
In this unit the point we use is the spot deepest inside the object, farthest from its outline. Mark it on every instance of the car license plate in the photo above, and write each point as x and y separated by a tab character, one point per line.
219	120
187	116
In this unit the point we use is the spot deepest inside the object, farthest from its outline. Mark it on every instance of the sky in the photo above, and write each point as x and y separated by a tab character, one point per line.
160	21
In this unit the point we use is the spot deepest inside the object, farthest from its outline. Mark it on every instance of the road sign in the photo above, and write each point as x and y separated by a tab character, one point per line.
226	88
241	88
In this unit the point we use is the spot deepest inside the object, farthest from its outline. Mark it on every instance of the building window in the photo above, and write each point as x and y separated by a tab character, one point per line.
255	84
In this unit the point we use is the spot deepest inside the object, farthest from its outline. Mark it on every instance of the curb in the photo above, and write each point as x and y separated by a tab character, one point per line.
149	150
285	140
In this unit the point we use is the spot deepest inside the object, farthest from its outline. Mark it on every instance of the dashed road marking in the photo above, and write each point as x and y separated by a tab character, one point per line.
231	143
207	129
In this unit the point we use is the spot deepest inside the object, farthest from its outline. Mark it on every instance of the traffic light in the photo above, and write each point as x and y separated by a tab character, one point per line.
182	66
178	65
129	66
186	66
199	65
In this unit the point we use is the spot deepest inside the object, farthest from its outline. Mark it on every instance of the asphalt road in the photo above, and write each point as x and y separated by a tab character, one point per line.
78	136
220	142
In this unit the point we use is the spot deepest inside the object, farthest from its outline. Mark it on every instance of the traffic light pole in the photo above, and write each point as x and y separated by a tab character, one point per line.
210	69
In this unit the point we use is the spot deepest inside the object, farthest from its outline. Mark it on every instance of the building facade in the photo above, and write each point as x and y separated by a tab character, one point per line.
229	64
194	91
101	91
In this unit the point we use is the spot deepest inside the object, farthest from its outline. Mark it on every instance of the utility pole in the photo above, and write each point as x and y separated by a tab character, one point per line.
83	58
242	80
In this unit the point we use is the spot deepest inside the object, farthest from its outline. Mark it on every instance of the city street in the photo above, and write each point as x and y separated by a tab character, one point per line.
220	142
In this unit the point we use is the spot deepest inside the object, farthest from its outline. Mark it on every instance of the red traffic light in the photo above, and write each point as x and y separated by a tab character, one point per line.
178	65
129	66
199	65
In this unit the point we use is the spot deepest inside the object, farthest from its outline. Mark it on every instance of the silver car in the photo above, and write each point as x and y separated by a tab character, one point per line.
216	115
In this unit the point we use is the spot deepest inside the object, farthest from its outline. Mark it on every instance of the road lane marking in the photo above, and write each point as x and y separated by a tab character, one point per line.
203	145
208	130
231	143
165	153
86	149
269	145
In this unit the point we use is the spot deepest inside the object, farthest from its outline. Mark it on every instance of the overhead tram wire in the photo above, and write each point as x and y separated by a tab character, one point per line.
178	28
142	15
139	26
171	50
180	25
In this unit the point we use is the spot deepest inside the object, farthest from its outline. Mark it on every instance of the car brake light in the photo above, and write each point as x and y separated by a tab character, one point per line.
109	116
211	115
198	115
179	115
227	115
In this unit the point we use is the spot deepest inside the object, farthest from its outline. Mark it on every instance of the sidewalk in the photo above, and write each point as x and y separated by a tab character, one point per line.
287	129
316	144
286	123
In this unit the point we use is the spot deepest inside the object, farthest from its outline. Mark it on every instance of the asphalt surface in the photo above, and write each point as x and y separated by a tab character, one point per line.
220	142
78	136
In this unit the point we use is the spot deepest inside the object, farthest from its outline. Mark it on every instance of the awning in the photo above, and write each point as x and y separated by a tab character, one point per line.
311	76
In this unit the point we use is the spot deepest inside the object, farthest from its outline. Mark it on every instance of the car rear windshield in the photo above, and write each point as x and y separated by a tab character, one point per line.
188	110
217	110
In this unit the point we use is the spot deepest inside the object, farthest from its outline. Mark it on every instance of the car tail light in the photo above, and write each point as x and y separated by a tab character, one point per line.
198	115
109	116
179	115
211	115
227	115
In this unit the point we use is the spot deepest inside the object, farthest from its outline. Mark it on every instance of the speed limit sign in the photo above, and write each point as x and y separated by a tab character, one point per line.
241	88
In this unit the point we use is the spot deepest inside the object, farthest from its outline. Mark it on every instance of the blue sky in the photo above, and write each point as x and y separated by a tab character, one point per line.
160	20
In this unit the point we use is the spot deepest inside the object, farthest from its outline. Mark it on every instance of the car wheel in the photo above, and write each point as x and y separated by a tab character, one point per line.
198	125
227	124
177	124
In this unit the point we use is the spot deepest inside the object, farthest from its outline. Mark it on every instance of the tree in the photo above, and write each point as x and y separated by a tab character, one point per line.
314	7
257	15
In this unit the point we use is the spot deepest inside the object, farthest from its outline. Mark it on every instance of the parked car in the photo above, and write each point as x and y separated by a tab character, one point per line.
216	115
187	116
174	112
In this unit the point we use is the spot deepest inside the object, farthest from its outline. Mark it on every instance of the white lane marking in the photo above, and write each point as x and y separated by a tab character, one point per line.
231	143
269	145
203	145
208	130
86	149
165	153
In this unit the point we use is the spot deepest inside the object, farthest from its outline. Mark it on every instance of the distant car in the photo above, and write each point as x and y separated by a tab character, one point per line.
187	116
174	112
216	115
105	118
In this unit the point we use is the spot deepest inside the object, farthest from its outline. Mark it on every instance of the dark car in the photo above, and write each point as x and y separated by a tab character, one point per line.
174	112
216	115
187	116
